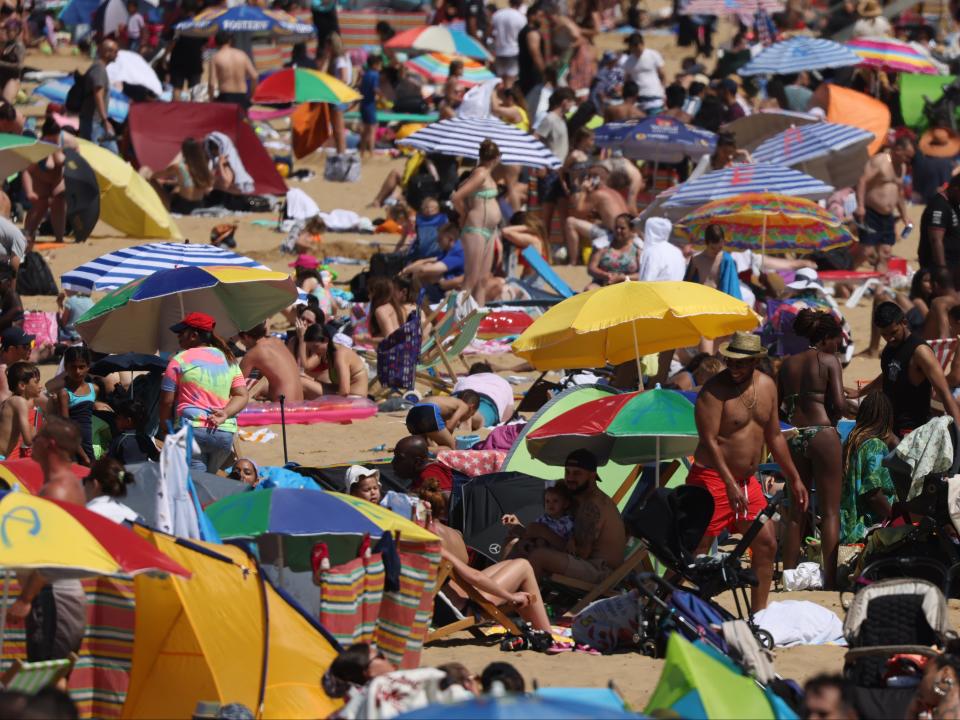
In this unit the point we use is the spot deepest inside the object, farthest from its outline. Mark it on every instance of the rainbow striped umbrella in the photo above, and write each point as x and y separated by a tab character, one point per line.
889	54
435	67
437	38
768	222
300	85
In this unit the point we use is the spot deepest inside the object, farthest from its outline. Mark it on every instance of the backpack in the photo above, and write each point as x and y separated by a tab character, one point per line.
34	276
74	99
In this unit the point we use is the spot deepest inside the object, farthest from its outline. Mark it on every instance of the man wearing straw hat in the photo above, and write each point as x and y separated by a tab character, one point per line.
736	413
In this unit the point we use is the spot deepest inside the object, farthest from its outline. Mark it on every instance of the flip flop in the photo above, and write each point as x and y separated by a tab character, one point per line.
586	649
558	648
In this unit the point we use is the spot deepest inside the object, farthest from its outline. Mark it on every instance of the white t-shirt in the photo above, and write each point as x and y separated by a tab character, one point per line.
553	130
507	24
643	71
343	69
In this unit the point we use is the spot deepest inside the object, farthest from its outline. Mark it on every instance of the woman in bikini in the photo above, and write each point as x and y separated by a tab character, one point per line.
810	386
476	202
185	183
329	368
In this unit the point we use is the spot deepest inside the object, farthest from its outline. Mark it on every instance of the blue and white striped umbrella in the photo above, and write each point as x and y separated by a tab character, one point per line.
116	269
804	143
746	178
798	54
657	139
461	137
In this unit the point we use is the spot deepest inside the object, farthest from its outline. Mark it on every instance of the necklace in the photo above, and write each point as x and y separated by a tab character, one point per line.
753	403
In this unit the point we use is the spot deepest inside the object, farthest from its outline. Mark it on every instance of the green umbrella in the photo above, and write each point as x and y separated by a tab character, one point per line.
18	152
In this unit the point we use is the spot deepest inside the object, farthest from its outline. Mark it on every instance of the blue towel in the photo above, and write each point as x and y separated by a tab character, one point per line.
729	282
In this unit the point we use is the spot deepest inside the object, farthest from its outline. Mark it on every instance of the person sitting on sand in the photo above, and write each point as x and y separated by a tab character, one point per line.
329	368
305	237
599	539
131	444
15	346
20	417
363	483
185	183
269	357
246	471
104	486
594	209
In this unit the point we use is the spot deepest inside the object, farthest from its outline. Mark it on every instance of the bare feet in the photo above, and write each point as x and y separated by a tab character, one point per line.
869	353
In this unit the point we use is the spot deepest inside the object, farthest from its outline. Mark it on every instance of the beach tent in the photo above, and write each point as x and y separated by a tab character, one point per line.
158	129
849	107
914	88
224	636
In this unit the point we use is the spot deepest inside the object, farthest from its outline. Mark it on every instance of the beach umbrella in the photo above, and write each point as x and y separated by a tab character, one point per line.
130	68
657	139
118	105
628	429
137	317
768	222
894	55
798	54
27	474
438	38
744	8
125	265
300	85
18	152
745	178
833	152
435	68
127	201
486	499
625	321
515	706
751	130
83	195
250	19
461	137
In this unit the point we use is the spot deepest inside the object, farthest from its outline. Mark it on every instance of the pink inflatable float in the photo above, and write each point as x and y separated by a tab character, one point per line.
330	408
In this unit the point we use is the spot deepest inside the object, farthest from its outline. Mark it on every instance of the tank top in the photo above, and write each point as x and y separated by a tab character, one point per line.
81	412
529	76
911	403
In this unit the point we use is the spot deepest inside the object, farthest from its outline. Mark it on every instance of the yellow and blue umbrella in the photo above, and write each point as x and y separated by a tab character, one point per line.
137	317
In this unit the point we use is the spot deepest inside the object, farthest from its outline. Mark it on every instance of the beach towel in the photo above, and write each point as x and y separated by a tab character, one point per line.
728	281
310	123
225	146
473	462
300	206
609	624
800	622
341	599
928	449
42	325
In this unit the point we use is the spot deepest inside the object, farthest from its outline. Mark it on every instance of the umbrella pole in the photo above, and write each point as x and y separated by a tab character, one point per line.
283	427
636	352
3	610
183	314
763	238
657	471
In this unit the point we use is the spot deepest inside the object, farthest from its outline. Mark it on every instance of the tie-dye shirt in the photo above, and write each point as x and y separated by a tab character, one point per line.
202	379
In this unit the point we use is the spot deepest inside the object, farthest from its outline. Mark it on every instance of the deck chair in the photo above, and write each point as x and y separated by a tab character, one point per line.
442	348
458	621
397	356
944	349
547	273
32	677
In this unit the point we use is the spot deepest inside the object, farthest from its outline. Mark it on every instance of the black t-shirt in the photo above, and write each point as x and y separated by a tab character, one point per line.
186	58
467	9
930	174
940	213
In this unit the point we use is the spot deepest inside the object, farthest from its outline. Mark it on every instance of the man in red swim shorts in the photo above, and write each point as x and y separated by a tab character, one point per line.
736	413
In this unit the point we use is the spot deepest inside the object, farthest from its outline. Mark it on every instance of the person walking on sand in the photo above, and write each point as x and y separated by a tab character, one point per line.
736	413
879	196
230	69
94	121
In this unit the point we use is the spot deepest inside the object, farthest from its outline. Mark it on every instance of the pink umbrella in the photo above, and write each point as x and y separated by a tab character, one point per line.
894	55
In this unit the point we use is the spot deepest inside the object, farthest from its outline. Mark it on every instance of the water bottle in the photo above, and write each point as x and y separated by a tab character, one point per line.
907	229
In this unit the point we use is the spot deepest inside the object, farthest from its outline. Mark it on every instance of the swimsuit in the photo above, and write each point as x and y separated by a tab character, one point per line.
800	443
485	232
35	418
81	412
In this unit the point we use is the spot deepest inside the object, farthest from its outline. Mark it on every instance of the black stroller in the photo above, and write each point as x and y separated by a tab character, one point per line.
671	523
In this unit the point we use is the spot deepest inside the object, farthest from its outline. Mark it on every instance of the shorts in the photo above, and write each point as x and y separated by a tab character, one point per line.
237	98
549	188
507	66
723	515
880	229
177	78
57	621
368	113
590	571
600	237
424	418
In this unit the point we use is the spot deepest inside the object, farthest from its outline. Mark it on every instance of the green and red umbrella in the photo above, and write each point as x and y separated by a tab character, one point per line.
636	427
300	85
18	152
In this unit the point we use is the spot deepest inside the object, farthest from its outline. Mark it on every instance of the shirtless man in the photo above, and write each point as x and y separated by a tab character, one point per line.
593	199
270	357
879	194
628	109
45	187
736	413
230	69
19	413
705	266
599	538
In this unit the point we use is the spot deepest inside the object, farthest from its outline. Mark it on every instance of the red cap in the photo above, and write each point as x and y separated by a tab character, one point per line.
197	321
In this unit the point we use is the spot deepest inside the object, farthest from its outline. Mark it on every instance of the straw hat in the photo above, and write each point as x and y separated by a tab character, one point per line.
743	345
869	9
940	143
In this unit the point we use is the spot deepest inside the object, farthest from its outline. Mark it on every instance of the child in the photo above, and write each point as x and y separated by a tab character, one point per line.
71	305
135	25
552	529
76	399
439	418
370	90
20	418
305	236
131	444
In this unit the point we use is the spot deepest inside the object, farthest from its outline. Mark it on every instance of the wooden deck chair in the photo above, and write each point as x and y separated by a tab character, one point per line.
31	678
944	349
446	348
487	610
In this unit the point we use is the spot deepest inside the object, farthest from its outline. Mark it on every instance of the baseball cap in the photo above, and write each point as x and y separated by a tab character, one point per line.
583	459
307	262
358	473
15	337
197	321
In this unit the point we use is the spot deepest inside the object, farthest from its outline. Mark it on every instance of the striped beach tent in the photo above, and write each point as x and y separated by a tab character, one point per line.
801	144
461	137
744	8
746	178
359	27
122	266
798	54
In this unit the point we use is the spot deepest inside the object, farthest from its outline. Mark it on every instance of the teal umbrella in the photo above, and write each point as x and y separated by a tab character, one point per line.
630	428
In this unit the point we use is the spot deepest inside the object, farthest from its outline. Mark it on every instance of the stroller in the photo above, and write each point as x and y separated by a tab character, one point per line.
888	622
671	523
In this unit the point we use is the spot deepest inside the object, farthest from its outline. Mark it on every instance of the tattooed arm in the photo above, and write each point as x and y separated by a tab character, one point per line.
587	524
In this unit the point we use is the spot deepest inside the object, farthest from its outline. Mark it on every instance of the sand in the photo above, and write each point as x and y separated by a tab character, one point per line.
634	675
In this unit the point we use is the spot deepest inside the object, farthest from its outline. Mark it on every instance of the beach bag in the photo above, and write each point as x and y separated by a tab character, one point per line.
610	624
34	276
42	325
342	168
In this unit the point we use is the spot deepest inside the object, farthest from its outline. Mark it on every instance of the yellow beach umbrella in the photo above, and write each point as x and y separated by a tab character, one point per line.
127	201
622	322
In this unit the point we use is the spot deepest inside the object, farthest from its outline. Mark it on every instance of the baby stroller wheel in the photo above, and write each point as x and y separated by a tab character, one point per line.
649	648
764	638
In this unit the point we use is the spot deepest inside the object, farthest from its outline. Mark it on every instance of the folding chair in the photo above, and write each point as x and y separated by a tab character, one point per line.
450	345
397	357
31	678
489	612
944	349
547	274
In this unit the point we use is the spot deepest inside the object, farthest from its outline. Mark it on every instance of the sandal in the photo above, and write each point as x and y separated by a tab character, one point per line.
557	647
587	650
